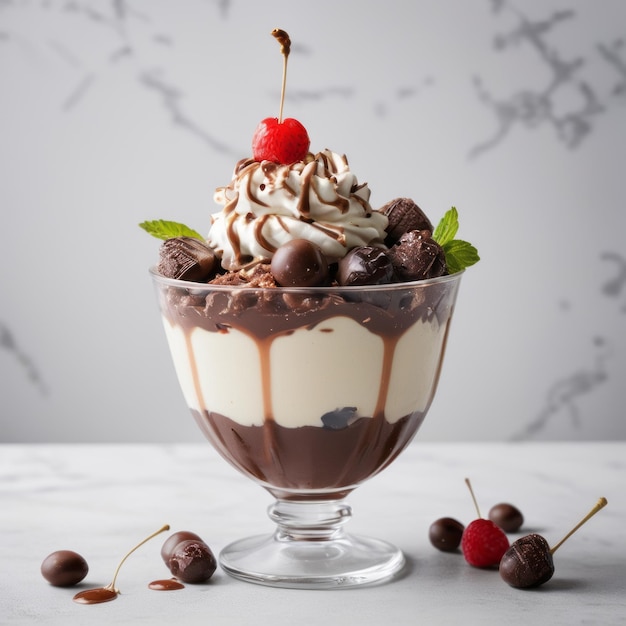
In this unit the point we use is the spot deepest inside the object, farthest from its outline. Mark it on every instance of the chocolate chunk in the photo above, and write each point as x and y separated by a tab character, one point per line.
404	216
527	563
340	418
258	275
259	282
446	533
299	263
417	256
192	561
187	258
230	278
366	265
64	568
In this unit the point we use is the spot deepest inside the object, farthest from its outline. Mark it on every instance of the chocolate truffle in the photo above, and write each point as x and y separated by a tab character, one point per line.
527	563
299	263
64	568
417	256
404	216
366	265
173	540
507	516
445	534
192	561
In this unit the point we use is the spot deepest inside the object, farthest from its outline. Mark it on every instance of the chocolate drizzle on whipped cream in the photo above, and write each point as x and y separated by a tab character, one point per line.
267	204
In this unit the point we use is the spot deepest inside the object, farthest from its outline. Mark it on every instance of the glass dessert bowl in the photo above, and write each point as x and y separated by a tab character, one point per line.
331	384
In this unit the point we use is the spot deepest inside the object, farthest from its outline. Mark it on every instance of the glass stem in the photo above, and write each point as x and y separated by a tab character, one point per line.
309	521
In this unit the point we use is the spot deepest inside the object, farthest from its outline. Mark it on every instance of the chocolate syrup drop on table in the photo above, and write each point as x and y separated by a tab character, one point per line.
95	596
169	584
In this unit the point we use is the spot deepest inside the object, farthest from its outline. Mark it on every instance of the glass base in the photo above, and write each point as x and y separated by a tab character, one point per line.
310	550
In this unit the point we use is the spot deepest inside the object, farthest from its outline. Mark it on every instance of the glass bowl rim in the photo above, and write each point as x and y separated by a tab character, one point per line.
334	289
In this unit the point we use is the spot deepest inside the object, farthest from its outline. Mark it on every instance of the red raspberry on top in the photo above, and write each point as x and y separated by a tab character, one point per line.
283	141
280	142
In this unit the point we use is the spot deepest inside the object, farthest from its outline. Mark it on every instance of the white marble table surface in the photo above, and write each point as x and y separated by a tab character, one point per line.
100	500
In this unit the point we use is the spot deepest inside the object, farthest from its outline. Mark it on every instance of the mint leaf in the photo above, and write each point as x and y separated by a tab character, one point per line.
164	229
459	255
447	227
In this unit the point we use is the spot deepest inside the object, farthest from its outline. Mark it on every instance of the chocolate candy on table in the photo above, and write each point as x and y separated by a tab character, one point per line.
366	265
64	568
507	516
192	561
445	534
169	545
527	563
187	258
417	256
299	263
404	216
169	584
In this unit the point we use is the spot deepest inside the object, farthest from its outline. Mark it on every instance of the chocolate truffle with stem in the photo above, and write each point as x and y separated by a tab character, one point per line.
528	562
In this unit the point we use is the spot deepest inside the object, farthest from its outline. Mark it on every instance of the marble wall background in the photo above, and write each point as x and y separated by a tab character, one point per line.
116	111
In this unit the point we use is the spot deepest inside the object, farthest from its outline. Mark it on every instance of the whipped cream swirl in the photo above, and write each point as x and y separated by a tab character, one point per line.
267	204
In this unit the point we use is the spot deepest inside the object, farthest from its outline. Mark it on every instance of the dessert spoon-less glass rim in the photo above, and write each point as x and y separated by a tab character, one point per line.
332	384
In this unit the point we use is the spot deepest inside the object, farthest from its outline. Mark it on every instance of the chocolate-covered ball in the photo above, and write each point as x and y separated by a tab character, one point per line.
366	265
299	263
446	533
527	563
404	216
192	561
507	516
167	549
187	258
64	568
417	256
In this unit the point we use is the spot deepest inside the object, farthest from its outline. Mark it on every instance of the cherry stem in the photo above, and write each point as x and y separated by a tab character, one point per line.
469	486
111	586
600	504
285	47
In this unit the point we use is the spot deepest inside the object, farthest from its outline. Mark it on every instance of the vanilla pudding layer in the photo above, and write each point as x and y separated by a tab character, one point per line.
296	378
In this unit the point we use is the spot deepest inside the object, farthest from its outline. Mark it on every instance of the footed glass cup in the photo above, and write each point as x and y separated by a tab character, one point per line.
309	392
